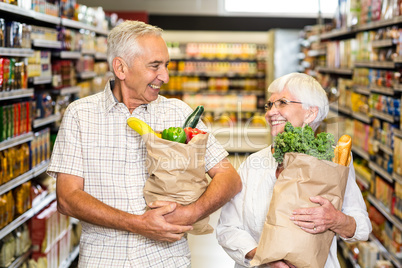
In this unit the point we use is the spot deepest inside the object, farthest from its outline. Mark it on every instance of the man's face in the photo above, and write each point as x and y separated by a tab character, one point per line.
148	70
290	112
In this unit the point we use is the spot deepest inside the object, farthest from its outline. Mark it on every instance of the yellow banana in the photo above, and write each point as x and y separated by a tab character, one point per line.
140	126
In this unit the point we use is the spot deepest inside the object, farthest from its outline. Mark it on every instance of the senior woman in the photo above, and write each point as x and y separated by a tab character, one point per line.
299	99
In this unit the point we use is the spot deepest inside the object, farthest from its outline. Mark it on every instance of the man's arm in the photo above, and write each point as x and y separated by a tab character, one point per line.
73	201
225	184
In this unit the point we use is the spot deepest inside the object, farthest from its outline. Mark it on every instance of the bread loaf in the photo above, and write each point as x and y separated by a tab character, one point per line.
342	151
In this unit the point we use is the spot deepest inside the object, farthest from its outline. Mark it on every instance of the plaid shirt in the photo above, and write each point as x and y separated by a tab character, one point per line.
94	142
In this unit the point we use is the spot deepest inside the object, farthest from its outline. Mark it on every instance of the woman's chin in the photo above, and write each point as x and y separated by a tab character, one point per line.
275	130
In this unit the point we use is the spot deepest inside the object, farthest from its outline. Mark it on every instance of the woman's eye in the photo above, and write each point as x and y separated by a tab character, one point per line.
282	102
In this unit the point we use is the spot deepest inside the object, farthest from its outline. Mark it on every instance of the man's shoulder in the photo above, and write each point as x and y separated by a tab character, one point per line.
172	103
87	102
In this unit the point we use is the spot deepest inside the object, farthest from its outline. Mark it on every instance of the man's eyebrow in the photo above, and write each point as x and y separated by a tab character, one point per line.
157	62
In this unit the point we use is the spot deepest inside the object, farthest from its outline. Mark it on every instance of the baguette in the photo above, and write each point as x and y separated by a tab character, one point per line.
342	151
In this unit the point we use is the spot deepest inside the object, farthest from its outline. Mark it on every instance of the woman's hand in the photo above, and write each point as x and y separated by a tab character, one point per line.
251	253
280	264
325	217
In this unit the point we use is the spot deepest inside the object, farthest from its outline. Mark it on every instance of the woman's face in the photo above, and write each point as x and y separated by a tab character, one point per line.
290	112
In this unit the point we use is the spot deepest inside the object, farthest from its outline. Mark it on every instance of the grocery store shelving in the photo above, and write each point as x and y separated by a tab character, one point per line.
86	75
384	174
362	181
382	90
384	252
16	52
387	117
349	254
34	172
385	211
47	120
397	178
386	149
40	80
362	90
73	255
360	152
27	215
21	259
16	141
16	94
67	90
46	43
344	71
376	64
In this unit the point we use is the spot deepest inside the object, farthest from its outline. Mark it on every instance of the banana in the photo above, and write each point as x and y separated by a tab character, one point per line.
140	126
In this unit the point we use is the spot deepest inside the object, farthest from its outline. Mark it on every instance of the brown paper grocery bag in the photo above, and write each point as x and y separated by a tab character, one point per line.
177	173
304	176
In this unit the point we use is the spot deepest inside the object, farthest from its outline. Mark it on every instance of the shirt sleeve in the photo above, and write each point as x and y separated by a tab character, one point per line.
230	231
67	152
354	206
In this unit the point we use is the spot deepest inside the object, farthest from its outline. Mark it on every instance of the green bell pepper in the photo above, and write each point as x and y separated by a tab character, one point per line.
174	134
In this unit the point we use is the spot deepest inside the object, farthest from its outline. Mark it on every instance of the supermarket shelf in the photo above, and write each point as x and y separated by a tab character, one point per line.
362	181
338	33
397	178
384	252
100	56
86	75
398	87
383	43
385	211
16	52
13	9
379	170
379	24
40	80
47	120
36	171
21	259
73	255
17	93
360	152
27	215
69	54
337	108
375	64
46	43
361	117
46	18
80	25
382	90
345	71
67	90
88	52
398	133
386	149
349	254
387	117
362	90
16	141
315	53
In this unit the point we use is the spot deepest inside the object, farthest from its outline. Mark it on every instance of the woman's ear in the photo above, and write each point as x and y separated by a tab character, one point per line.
119	68
311	115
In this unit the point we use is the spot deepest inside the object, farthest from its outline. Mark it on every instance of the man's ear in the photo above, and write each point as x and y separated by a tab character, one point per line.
311	115
119	68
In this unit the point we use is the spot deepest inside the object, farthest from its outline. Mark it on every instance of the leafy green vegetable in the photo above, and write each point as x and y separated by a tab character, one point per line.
302	140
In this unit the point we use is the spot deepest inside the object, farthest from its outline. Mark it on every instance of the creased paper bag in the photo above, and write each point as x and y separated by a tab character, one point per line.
177	173
303	176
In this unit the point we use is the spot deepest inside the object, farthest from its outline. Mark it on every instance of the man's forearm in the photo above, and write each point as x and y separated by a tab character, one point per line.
85	207
222	188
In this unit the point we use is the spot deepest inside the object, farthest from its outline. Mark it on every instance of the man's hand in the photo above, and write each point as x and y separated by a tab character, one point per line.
182	215
155	226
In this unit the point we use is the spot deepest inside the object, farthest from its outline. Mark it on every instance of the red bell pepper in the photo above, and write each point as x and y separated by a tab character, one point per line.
191	132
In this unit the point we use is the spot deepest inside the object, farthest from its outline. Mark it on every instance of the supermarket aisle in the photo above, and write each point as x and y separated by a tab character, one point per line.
205	250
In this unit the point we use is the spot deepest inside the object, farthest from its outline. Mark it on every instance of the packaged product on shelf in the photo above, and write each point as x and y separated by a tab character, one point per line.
397	155
13	34
2	32
4	73
44	105
22	198
22	240
7	250
67	9
368	254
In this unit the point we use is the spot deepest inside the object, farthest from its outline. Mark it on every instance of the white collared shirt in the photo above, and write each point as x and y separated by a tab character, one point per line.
94	142
242	219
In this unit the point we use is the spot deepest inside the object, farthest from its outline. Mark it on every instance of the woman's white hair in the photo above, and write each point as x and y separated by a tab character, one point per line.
306	90
122	40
